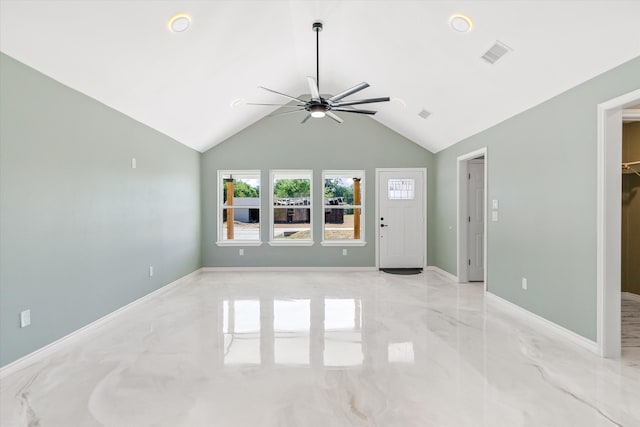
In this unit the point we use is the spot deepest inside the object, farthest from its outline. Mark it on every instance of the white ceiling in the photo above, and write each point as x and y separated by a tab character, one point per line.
182	84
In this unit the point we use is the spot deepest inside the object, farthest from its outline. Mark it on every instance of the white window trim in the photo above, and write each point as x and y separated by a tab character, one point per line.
295	173
292	242
220	206
343	243
362	241
239	243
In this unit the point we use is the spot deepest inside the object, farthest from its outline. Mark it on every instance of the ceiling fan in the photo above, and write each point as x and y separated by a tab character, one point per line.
317	106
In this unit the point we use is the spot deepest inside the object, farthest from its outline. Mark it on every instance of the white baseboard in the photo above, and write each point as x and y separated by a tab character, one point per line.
548	324
300	269
45	351
631	296
442	273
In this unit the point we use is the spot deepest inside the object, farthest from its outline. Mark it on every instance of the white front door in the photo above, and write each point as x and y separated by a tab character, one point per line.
475	220
401	218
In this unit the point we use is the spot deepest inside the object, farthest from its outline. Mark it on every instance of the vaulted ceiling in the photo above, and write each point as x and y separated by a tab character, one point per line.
185	84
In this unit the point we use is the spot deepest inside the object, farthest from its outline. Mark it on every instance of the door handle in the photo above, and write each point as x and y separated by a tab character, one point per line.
383	225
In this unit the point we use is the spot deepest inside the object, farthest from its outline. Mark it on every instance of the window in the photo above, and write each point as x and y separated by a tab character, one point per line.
291	219
238	208
343	196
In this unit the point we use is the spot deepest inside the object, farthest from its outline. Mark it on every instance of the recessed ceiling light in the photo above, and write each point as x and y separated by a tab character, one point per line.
179	23
460	23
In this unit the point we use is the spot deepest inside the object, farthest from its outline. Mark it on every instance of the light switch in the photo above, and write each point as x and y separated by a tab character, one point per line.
494	204
25	318
494	216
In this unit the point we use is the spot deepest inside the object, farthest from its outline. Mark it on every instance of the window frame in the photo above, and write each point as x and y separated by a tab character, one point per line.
298	174
221	207
345	173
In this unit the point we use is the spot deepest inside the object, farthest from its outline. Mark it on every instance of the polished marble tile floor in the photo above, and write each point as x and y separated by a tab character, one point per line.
323	349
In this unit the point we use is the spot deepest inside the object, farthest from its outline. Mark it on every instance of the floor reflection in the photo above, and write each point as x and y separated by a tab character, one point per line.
315	331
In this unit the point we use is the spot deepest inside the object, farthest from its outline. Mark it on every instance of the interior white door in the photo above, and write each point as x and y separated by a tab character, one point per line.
475	220
401	221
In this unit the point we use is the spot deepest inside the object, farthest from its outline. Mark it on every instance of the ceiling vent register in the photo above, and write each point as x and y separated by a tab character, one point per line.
497	51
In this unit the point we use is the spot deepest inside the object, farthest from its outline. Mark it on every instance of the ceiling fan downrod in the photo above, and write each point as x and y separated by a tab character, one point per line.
317	27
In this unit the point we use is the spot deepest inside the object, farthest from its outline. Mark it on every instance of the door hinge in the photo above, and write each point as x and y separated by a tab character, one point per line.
469	219
469	176
469	262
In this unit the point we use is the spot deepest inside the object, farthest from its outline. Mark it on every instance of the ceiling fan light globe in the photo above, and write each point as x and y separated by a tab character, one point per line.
317	111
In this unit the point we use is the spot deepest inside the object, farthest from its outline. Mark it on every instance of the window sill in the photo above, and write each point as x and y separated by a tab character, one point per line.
239	243
343	243
291	243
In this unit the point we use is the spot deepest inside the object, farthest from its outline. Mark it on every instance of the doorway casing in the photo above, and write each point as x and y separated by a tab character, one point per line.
462	194
609	222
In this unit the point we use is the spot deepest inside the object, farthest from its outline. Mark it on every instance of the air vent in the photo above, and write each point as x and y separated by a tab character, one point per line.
424	114
497	51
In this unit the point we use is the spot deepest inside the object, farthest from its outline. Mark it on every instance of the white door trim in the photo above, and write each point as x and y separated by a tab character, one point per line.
609	227
461	208
424	207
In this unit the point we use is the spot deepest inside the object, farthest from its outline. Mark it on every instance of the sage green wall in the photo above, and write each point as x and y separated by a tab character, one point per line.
542	169
281	142
79	227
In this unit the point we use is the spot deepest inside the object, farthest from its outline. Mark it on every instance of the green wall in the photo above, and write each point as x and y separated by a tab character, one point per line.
79	227
281	142
542	169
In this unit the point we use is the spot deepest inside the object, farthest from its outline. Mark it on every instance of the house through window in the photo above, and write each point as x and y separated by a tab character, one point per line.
343	196
291	204
239	207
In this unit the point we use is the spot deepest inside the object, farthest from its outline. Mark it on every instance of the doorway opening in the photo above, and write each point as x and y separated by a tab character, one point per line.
630	277
472	218
609	222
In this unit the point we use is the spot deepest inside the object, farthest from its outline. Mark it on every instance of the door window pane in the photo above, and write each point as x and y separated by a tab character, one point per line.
401	189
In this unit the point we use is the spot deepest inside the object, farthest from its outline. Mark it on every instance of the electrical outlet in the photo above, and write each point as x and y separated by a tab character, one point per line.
25	318
525	285
344	252
241	252
494	216
151	271
494	204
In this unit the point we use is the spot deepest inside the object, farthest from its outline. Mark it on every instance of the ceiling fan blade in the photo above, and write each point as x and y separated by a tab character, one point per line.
282	94
285	112
360	101
313	88
334	117
276	105
305	119
348	110
351	91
